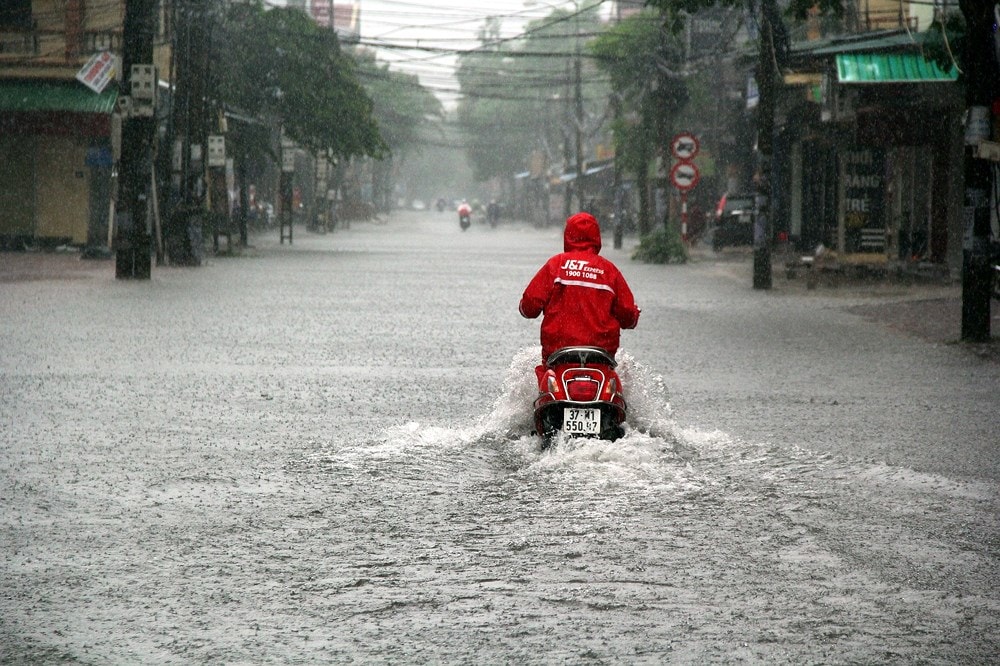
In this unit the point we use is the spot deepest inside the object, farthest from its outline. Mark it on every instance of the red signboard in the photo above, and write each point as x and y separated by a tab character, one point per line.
98	71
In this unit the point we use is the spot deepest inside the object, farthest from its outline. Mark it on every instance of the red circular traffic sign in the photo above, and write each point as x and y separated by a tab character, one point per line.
684	176
684	146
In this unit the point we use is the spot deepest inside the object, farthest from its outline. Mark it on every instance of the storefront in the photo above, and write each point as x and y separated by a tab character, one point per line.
873	171
56	172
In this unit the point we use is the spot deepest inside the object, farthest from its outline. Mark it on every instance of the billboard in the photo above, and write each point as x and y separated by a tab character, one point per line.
346	17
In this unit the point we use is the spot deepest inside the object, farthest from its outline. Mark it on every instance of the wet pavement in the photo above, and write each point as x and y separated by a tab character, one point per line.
319	453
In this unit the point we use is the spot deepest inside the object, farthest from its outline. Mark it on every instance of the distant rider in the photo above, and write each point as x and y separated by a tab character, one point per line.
464	209
584	297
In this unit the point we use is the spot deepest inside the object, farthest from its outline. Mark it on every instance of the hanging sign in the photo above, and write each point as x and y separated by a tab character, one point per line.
98	71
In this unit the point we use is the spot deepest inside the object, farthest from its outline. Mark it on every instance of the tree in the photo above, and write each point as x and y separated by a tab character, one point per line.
531	96
635	53
772	46
277	69
498	134
279	63
404	111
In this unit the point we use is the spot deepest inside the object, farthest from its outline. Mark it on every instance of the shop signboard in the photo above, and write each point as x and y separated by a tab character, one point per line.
863	174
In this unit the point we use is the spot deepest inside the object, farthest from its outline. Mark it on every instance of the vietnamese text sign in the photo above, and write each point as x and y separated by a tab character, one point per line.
98	71
863	171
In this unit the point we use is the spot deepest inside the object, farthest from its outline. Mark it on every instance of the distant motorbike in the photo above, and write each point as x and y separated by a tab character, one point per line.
464	216
580	394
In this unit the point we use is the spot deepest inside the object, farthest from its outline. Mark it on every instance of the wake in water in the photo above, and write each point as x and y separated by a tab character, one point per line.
656	455
654	451
509	424
649	411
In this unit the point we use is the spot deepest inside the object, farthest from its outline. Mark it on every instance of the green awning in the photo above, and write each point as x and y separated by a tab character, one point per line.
73	97
894	68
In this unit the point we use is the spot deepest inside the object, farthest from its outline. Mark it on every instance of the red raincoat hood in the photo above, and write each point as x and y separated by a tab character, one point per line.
582	233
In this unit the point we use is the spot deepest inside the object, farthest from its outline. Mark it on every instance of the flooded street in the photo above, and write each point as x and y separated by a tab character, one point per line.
321	453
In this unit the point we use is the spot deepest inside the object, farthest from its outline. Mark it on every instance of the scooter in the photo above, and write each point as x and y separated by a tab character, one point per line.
580	394
464	216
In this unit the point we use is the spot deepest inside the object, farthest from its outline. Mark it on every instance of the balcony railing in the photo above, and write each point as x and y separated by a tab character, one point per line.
888	20
94	42
19	42
51	44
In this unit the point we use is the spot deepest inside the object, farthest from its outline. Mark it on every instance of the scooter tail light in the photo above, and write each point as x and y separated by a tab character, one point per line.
584	389
552	384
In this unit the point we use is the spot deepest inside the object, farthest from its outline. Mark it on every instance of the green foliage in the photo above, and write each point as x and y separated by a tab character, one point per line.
279	65
629	53
402	106
518	97
634	53
625	53
675	9
492	116
661	247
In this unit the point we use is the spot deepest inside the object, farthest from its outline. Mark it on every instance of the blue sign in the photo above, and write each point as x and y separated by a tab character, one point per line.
98	156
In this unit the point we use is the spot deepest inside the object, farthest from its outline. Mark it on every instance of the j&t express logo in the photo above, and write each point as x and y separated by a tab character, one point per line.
580	268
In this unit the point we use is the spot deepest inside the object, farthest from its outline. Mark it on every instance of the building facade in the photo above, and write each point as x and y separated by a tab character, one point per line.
56	184
55	180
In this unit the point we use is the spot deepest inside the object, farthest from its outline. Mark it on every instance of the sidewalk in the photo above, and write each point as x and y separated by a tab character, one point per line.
55	265
927	308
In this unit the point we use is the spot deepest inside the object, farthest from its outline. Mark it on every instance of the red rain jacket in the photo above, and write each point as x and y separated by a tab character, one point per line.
585	299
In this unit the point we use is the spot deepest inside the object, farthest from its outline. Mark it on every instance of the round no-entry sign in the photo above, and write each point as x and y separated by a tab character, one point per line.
684	176
684	146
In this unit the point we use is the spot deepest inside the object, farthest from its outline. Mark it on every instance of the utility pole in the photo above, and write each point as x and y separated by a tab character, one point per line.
190	116
767	74
132	246
982	91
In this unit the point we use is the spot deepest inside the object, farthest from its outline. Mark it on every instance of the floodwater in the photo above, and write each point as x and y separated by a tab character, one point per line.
322	454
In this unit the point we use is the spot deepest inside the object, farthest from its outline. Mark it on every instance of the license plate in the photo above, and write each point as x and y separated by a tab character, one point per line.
581	421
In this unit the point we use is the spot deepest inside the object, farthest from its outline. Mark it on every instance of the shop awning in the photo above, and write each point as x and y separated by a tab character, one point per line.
868	68
46	96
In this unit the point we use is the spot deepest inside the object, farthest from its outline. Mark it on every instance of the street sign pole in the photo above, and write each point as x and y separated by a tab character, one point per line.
684	175
684	216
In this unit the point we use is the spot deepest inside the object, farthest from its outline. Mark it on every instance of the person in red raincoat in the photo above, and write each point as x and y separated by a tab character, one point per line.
584	297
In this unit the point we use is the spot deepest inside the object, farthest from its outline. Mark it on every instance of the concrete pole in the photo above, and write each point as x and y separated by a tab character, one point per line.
133	246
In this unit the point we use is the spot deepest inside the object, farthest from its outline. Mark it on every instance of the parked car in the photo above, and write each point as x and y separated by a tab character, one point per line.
733	221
